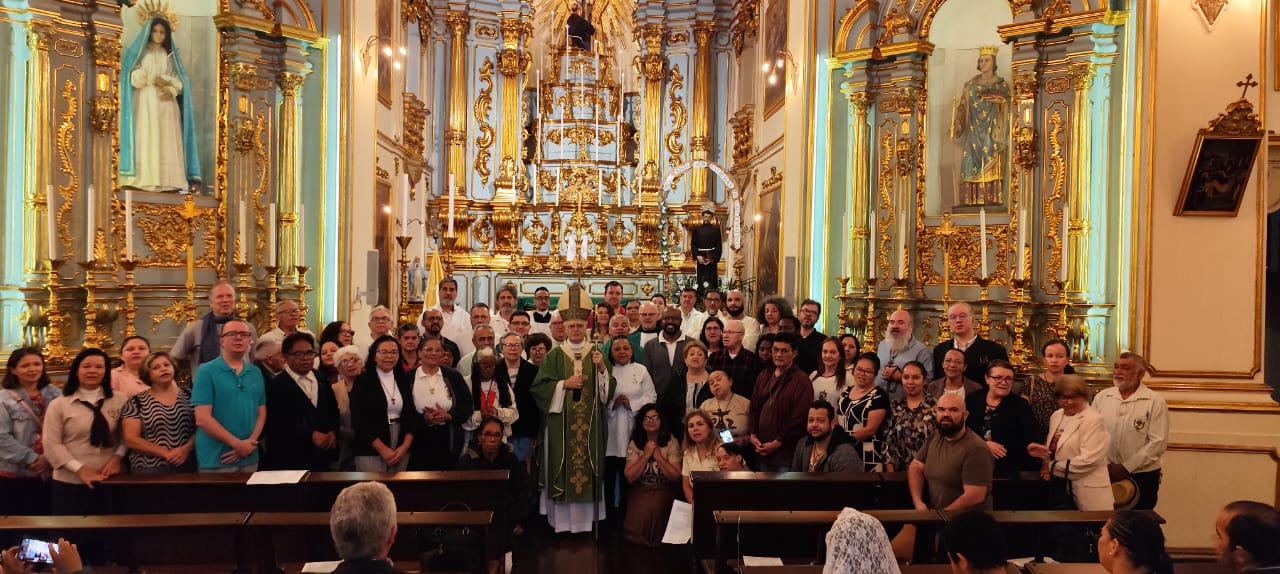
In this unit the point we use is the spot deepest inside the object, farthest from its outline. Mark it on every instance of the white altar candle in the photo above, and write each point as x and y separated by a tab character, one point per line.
1021	271
902	247
90	236
272	231
874	244
844	263
404	202
52	223
449	192
240	220
982	238
128	224
1065	238
557	189
302	237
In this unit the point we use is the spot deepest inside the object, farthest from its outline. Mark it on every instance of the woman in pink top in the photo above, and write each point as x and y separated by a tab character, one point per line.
126	379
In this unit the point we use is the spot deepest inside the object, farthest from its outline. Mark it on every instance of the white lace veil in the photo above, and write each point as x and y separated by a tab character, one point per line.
857	544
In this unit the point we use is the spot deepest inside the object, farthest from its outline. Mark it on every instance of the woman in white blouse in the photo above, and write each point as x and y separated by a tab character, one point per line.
382	412
443	403
491	393
633	389
82	435
1077	446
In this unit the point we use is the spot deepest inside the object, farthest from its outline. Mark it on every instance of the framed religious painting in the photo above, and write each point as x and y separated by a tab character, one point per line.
168	95
383	241
386	18
970	110
775	50
1217	175
768	231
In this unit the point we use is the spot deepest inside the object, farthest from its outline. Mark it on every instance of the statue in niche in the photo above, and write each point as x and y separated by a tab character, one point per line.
980	120
417	280
157	132
706	240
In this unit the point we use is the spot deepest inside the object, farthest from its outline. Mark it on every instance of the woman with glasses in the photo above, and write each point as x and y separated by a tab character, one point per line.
911	419
653	469
1004	420
339	331
382	411
159	424
863	408
486	451
444	402
712	334
349	362
1076	454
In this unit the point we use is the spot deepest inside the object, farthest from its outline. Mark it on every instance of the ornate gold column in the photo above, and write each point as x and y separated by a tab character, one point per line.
513	61
456	133
38	203
289	170
699	143
652	66
861	198
1077	232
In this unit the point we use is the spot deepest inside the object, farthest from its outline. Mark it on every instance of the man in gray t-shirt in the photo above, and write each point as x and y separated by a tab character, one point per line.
955	462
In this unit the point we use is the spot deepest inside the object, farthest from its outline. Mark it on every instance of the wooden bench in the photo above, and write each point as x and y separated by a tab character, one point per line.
222	532
771	532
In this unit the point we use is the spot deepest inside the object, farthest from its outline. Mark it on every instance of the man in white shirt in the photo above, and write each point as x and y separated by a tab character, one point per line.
302	431
483	336
288	315
380	324
690	317
541	314
735	307
664	356
1138	420
650	314
506	304
457	321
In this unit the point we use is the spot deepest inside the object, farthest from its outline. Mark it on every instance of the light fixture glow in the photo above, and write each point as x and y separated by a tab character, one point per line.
386	50
773	79
764	67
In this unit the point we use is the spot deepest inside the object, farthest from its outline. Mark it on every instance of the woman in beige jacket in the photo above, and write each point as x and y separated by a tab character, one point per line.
82	435
1077	446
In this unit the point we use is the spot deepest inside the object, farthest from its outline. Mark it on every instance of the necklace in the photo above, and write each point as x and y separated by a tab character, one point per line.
390	392
815	457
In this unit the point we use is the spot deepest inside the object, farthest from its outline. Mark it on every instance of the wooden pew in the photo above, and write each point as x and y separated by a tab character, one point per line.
222	532
825	491
264	527
771	532
200	492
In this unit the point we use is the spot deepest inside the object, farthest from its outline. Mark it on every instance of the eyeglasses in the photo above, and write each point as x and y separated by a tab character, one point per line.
861	371
958	316
491	435
388	352
380	319
1001	379
346	332
520	323
237	334
652	418
349	361
511	345
303	354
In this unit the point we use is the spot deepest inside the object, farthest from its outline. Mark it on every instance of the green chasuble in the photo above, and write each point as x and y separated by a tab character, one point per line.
575	436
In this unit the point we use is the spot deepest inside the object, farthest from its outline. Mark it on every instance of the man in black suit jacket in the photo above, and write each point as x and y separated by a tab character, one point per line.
301	432
659	357
978	352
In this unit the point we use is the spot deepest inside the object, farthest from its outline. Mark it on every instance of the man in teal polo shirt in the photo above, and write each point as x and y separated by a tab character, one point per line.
231	405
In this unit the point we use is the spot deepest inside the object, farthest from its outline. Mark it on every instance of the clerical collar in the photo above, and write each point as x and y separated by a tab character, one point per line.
576	347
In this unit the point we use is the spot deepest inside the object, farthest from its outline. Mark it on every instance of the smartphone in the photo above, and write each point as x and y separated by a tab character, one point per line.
726	435
33	550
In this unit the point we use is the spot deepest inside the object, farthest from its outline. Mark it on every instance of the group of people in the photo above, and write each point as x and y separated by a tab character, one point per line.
614	404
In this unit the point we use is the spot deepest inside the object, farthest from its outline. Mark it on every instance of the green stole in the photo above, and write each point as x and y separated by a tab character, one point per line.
575	437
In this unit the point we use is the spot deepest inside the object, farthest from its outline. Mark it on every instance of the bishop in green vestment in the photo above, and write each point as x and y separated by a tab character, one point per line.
572	390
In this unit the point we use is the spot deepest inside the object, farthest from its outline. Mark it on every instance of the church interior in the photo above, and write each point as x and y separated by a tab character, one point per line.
1073	169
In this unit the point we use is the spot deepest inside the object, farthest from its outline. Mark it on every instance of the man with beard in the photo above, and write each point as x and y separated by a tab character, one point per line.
823	451
664	355
541	314
457	321
899	348
432	325
742	366
811	339
954	461
978	352
713	302
735	307
191	346
649	327
506	306
1138	420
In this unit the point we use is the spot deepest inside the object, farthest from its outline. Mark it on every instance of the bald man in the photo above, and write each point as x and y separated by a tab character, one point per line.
978	352
954	462
898	348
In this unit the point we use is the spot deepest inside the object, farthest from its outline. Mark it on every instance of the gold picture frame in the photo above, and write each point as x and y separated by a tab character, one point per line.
1222	161
775	44
768	264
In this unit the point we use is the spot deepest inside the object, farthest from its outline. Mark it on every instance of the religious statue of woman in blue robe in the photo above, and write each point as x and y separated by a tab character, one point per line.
157	134
980	120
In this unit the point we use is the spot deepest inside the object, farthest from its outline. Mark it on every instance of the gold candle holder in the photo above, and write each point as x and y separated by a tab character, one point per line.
302	293
843	317
273	288
450	245
94	334
900	290
1062	328
602	241
869	319
984	323
403	308
555	263
242	272
130	310
54	352
1018	293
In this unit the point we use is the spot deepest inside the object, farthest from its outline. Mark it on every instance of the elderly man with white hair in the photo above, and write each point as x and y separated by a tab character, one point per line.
362	523
897	349
288	316
650	326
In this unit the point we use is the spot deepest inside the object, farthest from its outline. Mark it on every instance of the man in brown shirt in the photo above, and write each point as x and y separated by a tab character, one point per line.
956	463
780	407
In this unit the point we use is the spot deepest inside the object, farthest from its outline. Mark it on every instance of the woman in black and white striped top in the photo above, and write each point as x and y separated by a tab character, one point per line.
159	423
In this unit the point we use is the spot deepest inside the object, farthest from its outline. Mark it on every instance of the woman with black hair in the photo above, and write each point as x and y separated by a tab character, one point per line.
491	393
24	400
82	435
443	404
486	451
1132	543
339	331
653	469
382	411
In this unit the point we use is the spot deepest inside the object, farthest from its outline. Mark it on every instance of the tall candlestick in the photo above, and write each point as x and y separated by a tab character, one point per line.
404	203
982	238
449	192
557	189
240	221
1022	241
51	221
271	235
128	224
90	236
1064	237
302	237
902	247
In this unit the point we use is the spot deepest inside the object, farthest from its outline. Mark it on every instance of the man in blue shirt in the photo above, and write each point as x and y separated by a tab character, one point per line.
231	405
